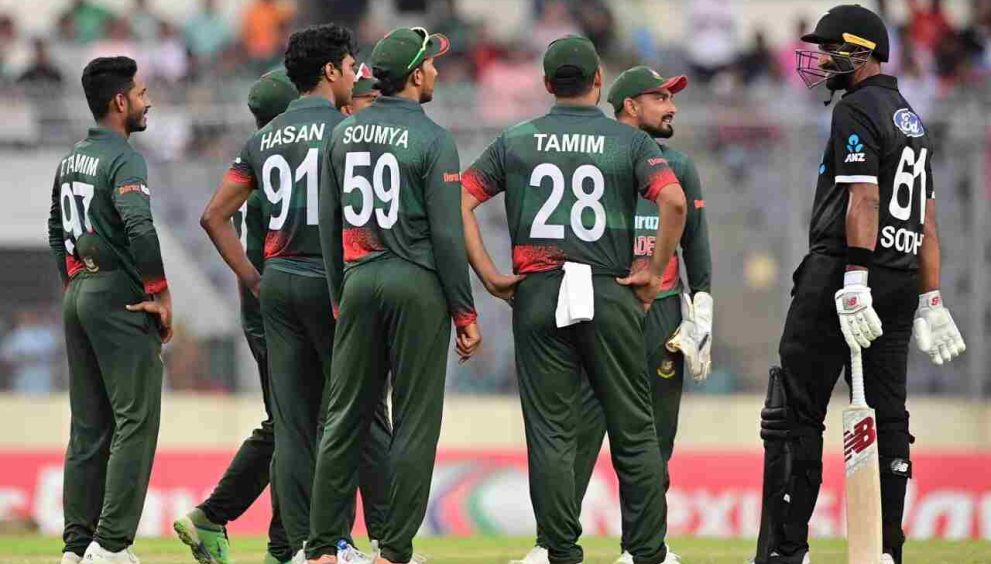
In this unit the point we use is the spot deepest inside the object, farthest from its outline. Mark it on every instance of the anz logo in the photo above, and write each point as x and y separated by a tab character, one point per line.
854	149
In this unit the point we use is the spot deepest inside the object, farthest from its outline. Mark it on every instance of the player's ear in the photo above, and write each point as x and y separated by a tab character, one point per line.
330	72
417	76
547	85
597	81
630	107
119	102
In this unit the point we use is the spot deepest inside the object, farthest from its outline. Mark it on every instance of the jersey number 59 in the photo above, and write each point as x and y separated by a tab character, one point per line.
386	166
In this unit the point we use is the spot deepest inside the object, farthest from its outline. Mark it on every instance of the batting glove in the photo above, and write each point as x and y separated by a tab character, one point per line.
934	330
858	320
693	338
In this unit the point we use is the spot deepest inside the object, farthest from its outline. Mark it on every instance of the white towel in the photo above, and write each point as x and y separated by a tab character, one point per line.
575	299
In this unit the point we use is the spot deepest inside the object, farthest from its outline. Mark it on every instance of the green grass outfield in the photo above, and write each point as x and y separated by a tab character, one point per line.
496	550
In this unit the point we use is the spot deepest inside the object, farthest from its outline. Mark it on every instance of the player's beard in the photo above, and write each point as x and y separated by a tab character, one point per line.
137	121
660	131
839	81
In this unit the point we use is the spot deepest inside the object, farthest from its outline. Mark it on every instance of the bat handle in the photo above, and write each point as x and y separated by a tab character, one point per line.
857	396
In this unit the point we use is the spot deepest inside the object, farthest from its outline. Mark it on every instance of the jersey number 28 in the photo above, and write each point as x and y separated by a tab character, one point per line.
541	229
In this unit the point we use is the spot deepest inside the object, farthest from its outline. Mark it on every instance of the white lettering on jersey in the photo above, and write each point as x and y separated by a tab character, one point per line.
901	240
78	162
292	134
570	143
378	134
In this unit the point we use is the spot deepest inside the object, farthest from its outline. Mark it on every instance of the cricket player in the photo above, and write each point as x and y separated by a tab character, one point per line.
282	162
117	313
205	528
571	180
644	99
390	224
870	279
363	93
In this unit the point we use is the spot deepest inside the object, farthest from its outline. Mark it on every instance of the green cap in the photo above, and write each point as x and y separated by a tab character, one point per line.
399	52
366	83
571	50
641	80
270	95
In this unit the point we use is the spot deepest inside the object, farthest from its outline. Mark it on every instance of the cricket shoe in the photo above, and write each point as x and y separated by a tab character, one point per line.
537	555
805	559
96	554
207	540
887	559
347	554
71	558
627	558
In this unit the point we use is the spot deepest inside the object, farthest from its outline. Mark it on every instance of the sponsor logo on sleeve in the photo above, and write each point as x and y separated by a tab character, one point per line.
909	123
854	149
134	188
452	177
656	161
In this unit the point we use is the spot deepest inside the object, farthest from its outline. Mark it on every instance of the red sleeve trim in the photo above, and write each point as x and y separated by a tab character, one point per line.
239	177
464	318
699	204
153	287
659	181
472	182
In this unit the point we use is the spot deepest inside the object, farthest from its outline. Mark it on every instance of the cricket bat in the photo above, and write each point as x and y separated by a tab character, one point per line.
863	476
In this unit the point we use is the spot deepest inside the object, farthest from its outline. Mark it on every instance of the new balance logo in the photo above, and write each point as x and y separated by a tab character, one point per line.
860	439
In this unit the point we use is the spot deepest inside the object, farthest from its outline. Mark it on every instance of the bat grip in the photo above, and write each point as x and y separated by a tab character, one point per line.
857	396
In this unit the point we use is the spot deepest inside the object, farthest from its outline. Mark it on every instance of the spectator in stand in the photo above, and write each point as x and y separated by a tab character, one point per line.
262	30
596	22
976	39
85	22
785	58
714	45
927	25
168	56
207	34
8	36
30	351
118	41
509	89
554	22
757	62
145	25
40	71
919	87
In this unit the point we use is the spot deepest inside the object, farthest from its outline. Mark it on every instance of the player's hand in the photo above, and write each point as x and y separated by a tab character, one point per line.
503	286
467	341
645	286
934	330
858	320
161	308
693	338
253	284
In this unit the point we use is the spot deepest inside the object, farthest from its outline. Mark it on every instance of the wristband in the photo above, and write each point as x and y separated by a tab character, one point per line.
859	256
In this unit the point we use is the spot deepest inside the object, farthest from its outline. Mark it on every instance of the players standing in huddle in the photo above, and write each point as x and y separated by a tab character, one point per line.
572	179
117	313
390	225
643	99
205	528
283	161
870	279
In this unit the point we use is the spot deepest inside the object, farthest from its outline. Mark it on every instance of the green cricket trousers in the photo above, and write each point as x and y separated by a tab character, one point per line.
115	395
393	317
665	372
299	333
550	364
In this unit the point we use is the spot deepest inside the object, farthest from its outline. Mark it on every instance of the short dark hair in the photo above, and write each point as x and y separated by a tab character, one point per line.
104	78
391	86
568	82
311	48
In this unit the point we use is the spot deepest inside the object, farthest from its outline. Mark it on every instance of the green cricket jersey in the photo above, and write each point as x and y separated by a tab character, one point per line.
100	216
694	240
393	189
571	179
249	223
282	161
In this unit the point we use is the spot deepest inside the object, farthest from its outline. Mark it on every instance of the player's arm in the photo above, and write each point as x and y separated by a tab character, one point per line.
856	150
479	183
657	182
442	195
935	332
695	249
56	237
233	192
331	225
132	200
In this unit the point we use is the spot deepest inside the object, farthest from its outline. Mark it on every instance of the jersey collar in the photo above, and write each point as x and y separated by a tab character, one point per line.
399	102
882	80
105	133
305	102
575	110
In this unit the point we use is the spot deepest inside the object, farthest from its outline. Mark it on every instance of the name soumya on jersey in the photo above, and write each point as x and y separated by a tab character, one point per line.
282	161
100	216
572	179
876	138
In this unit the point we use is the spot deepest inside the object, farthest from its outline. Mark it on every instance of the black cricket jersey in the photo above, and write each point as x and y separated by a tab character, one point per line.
875	138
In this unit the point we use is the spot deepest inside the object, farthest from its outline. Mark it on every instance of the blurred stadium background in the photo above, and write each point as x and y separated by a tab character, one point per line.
747	120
